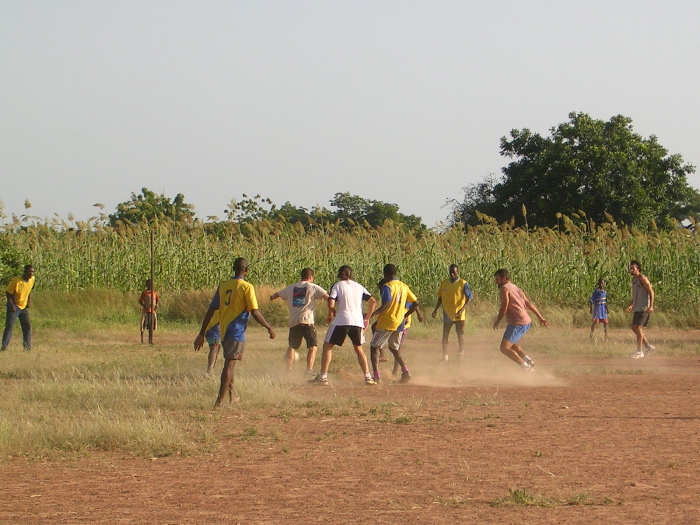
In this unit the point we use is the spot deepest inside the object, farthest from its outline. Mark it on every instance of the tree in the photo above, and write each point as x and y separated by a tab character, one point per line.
588	166
355	209
148	206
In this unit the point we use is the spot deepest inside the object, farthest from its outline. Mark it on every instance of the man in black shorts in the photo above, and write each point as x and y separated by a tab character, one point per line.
300	298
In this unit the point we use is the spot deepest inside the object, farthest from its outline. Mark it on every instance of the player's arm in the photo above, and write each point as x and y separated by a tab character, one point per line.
505	299
274	296
535	311
11	300
437	306
331	310
386	300
199	340
261	320
371	303
647	286
419	314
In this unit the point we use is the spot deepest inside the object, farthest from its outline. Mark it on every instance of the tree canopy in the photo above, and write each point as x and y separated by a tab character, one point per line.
586	166
148	206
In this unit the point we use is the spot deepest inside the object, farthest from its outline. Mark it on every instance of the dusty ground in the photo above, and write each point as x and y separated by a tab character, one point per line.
589	440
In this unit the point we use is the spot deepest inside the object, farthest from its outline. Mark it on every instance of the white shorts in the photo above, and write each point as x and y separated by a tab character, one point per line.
382	337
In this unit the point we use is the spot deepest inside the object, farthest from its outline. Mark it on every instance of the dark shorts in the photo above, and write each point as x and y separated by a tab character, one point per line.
305	331
640	318
147	318
337	338
233	349
447	326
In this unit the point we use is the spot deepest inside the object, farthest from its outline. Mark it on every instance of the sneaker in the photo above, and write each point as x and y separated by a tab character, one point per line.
529	361
445	359
527	368
405	377
638	354
369	381
649	349
318	381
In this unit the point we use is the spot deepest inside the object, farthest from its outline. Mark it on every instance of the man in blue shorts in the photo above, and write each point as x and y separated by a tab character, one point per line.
514	306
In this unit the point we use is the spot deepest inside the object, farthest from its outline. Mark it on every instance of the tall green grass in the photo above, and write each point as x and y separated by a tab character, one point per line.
556	268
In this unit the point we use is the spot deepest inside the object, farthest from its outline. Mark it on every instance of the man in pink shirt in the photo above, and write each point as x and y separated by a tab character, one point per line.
514	306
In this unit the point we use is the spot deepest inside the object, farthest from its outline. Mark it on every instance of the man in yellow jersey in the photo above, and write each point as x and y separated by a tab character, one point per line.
235	302
392	317
454	295
19	298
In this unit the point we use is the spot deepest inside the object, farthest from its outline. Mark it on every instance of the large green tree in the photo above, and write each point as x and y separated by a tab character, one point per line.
148	206
585	165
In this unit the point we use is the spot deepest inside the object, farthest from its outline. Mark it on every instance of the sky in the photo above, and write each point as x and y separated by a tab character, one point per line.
398	101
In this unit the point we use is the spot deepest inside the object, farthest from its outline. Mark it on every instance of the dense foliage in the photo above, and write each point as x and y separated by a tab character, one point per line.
556	268
588	167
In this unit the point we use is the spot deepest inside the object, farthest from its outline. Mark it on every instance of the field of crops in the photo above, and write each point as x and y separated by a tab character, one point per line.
557	268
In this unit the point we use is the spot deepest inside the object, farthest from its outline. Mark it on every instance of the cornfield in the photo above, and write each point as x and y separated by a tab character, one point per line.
555	268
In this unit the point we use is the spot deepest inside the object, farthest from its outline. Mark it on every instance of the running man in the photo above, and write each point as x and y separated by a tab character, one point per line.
236	302
599	308
642	306
300	298
454	295
392	318
514	306
19	298
346	320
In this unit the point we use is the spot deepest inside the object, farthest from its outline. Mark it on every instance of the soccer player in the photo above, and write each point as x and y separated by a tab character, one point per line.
599	308
454	295
300	298
390	323
19	299
346	320
642	306
236	302
514	306
149	318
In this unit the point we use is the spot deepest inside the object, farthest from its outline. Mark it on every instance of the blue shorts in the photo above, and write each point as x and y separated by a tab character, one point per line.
514	332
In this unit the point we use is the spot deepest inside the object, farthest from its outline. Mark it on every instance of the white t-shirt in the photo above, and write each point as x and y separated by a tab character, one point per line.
349	296
300	299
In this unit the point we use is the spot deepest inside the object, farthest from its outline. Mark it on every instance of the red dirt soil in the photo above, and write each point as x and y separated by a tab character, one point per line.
612	441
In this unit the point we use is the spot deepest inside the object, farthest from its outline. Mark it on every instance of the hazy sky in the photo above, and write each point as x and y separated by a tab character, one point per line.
398	101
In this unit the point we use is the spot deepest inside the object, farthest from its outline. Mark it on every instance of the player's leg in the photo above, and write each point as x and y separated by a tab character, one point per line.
446	326
214	348
311	338
459	329
227	377
26	323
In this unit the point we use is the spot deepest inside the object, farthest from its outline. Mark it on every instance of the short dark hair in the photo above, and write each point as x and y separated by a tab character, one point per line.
306	273
344	272
240	265
637	264
454	267
502	273
27	266
390	271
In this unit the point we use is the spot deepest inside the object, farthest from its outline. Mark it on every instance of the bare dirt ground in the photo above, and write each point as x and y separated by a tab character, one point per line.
587	439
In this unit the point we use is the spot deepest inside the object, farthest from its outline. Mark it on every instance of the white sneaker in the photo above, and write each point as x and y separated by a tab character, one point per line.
445	359
638	354
527	368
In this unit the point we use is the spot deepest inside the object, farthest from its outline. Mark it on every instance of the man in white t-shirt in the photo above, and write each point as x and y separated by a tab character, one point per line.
300	298
346	320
